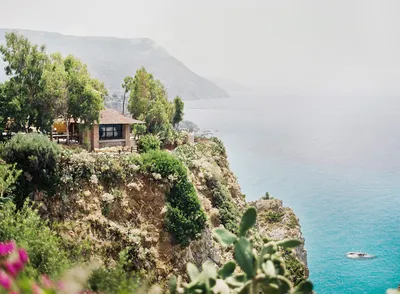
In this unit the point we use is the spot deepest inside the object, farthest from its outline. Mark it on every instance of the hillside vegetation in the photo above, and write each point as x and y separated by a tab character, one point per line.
172	216
108	206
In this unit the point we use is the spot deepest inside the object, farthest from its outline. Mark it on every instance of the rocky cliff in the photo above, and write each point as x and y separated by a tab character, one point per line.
110	203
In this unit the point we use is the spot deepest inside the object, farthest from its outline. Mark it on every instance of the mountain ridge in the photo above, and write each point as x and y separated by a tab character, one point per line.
230	85
110	59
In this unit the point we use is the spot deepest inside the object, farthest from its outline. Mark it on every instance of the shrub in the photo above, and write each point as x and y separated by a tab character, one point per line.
266	196
175	139
28	230
163	163
8	177
148	142
73	169
293	222
115	280
296	270
36	156
274	216
207	150
228	213
219	146
185	219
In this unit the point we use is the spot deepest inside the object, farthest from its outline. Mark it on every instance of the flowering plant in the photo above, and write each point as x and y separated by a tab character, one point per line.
12	280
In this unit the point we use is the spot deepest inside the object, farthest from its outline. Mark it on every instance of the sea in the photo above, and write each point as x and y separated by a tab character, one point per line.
335	161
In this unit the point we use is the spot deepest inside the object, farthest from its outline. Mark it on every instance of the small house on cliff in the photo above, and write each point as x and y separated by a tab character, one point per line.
113	129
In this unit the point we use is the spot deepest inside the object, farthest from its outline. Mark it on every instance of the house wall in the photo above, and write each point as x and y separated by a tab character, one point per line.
95	137
124	142
127	135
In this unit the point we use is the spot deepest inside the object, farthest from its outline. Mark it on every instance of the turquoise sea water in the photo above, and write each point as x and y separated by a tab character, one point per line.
336	162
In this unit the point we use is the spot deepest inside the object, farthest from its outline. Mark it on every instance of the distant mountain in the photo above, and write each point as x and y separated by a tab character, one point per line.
111	59
229	85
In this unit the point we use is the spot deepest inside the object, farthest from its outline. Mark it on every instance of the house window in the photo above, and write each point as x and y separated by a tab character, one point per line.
109	132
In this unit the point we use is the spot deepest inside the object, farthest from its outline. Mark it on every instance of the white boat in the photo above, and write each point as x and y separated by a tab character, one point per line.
359	255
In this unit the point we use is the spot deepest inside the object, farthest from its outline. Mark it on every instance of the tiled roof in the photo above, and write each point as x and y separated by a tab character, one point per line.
111	116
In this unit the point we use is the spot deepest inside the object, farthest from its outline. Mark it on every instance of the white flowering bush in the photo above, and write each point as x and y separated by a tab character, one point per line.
96	169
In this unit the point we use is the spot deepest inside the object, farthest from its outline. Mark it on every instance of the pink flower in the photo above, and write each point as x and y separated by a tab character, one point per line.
36	289
6	248
5	280
46	282
14	268
60	285
23	256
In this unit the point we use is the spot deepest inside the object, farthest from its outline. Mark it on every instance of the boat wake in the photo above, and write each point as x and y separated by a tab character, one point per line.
359	255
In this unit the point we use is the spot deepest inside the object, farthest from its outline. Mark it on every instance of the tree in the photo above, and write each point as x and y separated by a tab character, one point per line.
178	111
141	87
42	88
148	101
55	80
85	94
126	85
11	106
23	93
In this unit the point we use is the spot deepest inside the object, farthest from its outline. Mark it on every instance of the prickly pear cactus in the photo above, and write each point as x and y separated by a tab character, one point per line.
250	272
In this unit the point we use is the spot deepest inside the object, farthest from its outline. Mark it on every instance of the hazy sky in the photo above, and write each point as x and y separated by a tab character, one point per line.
346	47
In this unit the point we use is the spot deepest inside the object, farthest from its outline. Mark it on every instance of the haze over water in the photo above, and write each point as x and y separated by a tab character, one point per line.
336	162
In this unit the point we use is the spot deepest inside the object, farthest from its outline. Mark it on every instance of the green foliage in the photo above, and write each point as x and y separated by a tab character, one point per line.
116	280
41	87
193	155
22	96
126	85
296	270
139	129
55	81
224	237
273	216
178	111
219	146
77	168
174	139
8	177
105	209
148	142
31	232
266	196
293	222
221	199
149	102
86	94
36	156
163	163
260	272
248	220
185	219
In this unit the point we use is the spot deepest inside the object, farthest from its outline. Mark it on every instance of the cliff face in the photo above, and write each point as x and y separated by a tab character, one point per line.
128	210
277	222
